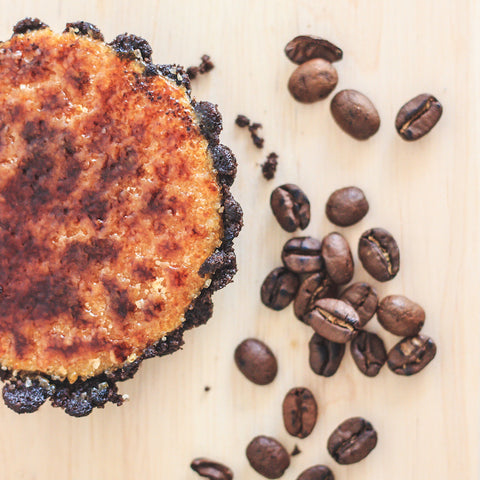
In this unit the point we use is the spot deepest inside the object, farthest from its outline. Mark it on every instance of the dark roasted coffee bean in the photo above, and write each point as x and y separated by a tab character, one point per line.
411	355
333	319
400	316
268	457
211	469
291	207
299	412
302	255
363	298
317	472
279	288
338	258
352	441
418	116
378	251
346	206
368	352
325	356
355	114
256	361
315	286
313	80
305	47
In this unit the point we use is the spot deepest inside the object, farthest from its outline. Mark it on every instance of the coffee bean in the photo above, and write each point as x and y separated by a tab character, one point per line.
368	352
355	114
363	298
352	441
279	288
411	355
378	251
302	255
400	316
325	356
291	207
256	361
211	469
346	206
299	412
317	472
315	286
305	47
418	116
333	319
338	258
267	456
313	80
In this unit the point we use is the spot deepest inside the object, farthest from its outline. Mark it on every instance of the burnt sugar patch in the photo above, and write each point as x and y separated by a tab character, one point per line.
118	299
120	166
94	205
49	296
78	255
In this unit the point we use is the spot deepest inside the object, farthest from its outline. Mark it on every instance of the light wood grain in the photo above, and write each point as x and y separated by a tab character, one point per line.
425	193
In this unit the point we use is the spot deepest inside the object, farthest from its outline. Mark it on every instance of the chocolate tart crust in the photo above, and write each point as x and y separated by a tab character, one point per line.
25	392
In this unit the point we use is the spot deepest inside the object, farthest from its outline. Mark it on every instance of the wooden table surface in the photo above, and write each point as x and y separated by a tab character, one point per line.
426	193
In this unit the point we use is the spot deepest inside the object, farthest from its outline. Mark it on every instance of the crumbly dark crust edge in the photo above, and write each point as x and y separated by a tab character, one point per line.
25	392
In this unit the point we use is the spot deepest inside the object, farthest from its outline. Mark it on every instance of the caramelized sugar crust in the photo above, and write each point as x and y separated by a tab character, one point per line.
109	206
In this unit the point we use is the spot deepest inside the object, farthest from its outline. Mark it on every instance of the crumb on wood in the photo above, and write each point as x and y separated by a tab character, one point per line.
295	451
207	388
257	141
269	167
242	121
205	66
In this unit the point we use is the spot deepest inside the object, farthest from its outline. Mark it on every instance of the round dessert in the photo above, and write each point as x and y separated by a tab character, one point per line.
116	220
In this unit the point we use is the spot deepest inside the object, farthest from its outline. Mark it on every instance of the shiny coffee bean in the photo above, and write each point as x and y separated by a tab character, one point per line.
256	361
291	207
352	441
355	114
268	457
379	253
411	355
315	286
338	258
400	316
325	356
346	206
299	412
418	116
313	80
279	288
368	352
305	47
302	255
363	298
211	469
317	472
333	319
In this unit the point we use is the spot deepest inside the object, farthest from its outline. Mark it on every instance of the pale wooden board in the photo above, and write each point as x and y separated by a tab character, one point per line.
426	193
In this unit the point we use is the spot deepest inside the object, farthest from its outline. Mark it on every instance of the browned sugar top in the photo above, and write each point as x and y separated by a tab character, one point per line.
108	206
